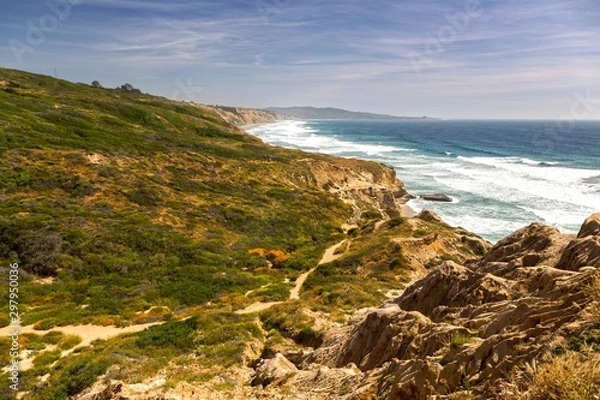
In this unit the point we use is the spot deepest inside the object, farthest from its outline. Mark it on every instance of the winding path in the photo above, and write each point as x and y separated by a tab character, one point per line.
328	256
90	333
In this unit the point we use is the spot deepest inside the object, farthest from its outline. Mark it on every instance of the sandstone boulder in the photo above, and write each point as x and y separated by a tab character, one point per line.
591	227
529	246
273	369
583	251
429	216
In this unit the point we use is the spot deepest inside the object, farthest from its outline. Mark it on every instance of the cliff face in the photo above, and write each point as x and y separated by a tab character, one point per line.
363	185
242	116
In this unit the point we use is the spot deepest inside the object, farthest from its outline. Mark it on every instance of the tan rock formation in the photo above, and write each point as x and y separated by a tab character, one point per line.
241	116
273	369
585	249
361	184
470	327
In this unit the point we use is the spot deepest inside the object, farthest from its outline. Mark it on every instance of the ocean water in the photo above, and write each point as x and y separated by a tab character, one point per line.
501	175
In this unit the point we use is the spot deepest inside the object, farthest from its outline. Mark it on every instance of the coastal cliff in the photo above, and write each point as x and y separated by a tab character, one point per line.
164	253
243	116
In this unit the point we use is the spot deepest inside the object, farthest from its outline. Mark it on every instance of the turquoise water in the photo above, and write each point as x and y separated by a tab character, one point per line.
502	175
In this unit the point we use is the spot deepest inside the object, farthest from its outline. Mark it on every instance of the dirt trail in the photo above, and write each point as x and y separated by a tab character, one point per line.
328	256
257	307
90	333
87	333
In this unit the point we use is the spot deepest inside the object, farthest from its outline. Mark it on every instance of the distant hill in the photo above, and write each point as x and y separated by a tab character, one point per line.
241	116
333	113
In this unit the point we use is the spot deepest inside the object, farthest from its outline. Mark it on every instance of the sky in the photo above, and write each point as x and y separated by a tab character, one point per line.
492	59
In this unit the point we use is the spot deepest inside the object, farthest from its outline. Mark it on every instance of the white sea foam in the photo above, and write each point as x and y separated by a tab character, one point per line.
515	165
299	134
494	195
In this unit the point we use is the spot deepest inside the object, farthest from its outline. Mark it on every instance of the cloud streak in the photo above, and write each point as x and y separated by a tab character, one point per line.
340	53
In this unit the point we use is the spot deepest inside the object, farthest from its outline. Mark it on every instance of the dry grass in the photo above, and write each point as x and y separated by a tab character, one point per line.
573	375
570	376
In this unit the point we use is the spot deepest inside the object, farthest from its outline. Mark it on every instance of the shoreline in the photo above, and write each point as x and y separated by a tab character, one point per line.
405	210
529	196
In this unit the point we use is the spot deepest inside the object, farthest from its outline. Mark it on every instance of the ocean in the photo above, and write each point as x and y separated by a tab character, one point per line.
501	175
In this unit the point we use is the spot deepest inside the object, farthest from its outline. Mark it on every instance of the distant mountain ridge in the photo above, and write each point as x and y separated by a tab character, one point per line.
247	116
334	113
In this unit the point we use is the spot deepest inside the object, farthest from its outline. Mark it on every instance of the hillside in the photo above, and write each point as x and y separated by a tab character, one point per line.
163	253
333	113
122	208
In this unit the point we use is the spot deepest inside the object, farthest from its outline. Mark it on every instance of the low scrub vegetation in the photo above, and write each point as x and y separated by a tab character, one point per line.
113	203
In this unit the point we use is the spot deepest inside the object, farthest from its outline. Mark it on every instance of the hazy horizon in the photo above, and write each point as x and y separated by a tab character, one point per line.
487	59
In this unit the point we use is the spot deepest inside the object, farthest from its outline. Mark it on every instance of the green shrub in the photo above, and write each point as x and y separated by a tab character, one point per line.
45	324
588	339
45	358
72	376
145	196
394	222
39	252
53	337
177	334
68	342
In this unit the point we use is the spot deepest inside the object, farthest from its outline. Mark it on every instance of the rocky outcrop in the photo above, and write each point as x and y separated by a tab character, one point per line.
591	227
468	327
129	88
273	369
362	184
533	245
117	390
429	216
439	197
585	249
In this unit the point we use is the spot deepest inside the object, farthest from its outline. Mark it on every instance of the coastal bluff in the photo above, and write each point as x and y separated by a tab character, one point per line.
243	116
144	231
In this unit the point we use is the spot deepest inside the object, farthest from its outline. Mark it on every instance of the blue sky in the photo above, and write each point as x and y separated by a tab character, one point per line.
443	58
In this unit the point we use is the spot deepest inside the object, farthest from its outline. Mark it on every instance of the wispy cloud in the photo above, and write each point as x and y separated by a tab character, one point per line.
343	52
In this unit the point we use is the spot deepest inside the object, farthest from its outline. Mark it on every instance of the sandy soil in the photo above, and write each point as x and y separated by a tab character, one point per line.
258	307
87	333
